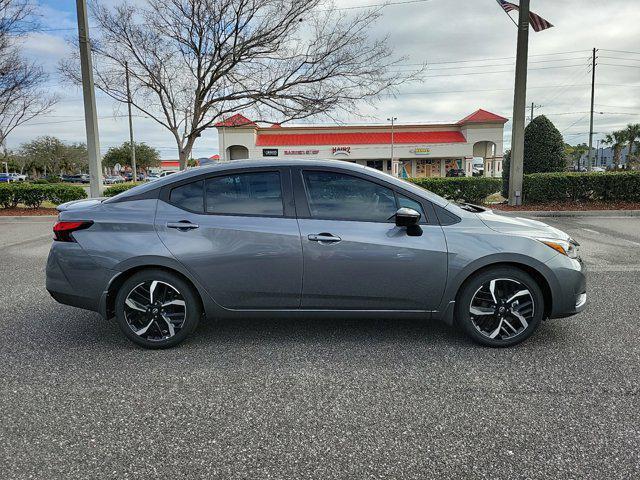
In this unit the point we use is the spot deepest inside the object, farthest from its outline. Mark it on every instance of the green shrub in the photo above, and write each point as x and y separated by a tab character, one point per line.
581	187
60	193
32	195
40	181
467	189
114	190
7	195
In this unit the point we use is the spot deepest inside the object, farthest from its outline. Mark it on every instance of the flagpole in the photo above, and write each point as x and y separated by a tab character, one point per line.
519	107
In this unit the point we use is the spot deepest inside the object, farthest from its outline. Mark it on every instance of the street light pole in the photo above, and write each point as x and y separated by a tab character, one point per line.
89	97
519	107
392	120
593	89
132	145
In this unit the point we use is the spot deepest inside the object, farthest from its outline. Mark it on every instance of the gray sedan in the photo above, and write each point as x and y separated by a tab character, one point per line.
307	238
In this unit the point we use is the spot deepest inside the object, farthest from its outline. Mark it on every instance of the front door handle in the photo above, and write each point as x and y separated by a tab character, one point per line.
324	238
183	225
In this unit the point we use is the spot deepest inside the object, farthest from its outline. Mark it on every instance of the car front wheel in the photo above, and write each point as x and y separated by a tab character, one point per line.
157	309
500	307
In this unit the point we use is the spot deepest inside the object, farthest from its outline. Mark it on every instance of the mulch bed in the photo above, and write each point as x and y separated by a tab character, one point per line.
26	212
566	206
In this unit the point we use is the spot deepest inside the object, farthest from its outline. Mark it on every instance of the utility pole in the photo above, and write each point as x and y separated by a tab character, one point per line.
392	120
132	145
519	107
593	89
533	106
89	96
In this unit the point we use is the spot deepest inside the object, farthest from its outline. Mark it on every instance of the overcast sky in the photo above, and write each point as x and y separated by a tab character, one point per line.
469	44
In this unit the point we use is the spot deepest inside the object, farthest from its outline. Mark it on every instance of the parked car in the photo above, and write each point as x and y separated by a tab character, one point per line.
305	238
112	179
597	169
155	176
17	177
81	178
456	172
5	178
129	175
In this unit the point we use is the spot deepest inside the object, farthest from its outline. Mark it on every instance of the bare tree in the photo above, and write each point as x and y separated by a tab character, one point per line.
22	96
193	62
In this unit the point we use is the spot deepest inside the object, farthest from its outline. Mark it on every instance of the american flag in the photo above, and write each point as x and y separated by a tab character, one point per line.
537	22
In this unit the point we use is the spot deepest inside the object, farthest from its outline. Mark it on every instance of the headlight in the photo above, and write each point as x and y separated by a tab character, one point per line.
568	248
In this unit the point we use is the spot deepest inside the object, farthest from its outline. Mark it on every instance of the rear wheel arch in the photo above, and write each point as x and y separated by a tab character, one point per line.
117	282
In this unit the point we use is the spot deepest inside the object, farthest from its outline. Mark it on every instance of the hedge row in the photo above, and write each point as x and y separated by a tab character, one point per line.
114	190
32	195
563	187
466	189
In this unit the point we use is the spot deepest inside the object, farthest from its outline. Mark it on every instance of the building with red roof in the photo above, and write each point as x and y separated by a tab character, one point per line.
414	150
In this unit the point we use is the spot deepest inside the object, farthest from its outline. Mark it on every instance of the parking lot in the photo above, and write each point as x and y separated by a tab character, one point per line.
321	399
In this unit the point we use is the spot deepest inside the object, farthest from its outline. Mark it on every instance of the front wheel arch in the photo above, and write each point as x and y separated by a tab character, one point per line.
535	274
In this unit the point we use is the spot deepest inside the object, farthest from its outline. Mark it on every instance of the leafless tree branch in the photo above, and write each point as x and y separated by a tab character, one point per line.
193	62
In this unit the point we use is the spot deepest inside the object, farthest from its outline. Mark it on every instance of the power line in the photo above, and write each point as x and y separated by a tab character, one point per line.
494	71
381	5
619	51
619	65
501	58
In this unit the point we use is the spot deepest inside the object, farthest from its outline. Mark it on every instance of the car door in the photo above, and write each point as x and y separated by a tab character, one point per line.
355	257
237	233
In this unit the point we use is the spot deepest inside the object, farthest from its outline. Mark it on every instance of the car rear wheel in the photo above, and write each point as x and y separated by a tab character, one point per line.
157	309
500	307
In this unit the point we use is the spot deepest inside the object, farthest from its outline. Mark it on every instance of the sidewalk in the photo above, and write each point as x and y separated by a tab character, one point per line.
568	213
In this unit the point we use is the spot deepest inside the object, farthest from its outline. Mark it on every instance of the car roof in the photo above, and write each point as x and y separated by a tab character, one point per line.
279	162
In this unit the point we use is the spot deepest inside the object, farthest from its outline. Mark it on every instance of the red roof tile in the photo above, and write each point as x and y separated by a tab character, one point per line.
358	138
236	120
481	116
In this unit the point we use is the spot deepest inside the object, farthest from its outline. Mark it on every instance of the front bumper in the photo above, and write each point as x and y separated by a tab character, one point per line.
570	290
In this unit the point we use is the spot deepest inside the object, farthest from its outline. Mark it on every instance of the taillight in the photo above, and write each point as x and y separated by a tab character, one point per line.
62	230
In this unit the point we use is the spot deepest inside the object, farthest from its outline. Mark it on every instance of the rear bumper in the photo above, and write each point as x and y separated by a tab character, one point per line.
73	278
570	292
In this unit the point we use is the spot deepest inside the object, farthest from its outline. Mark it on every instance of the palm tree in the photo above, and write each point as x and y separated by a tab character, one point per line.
632	132
616	140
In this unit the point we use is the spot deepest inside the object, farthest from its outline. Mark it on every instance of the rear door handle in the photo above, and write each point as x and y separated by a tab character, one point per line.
183	225
324	237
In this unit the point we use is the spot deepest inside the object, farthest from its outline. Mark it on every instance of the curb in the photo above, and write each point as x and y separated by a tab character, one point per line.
569	213
28	218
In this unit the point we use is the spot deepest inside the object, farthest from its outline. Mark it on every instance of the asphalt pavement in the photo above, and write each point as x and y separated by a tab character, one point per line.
288	399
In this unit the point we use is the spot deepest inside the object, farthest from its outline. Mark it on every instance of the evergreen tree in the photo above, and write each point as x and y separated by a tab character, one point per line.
543	150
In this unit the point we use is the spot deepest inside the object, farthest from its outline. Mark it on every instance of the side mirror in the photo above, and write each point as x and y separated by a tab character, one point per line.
407	217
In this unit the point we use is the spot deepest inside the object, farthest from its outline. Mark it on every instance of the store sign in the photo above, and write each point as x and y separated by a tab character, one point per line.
341	151
421	151
301	152
269	152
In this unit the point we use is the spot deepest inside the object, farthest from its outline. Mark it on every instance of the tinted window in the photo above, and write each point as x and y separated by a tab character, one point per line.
338	196
257	193
407	202
188	196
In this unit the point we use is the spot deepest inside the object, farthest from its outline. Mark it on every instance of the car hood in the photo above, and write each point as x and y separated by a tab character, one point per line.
520	226
80	204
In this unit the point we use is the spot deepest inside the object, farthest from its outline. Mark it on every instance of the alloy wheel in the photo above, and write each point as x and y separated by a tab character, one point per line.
502	308
155	310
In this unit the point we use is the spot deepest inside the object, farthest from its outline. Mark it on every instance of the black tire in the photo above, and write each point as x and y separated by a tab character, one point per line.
192	308
479	281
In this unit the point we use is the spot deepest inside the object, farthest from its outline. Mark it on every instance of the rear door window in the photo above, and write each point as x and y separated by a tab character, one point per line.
257	193
188	197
